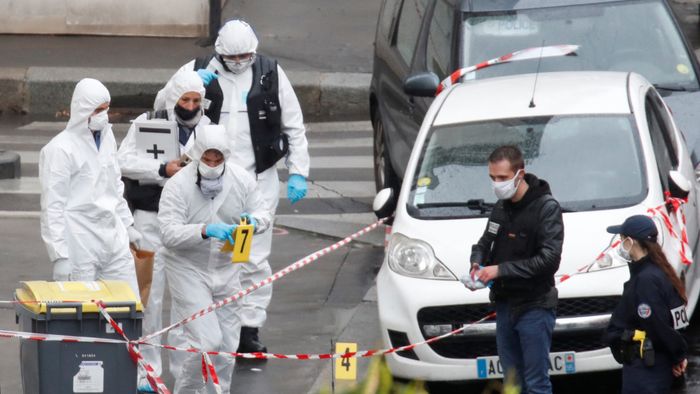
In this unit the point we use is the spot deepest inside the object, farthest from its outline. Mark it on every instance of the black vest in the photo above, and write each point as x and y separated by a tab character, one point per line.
213	93
144	197
264	111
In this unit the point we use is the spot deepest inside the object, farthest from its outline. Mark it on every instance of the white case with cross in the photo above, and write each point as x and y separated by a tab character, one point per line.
157	139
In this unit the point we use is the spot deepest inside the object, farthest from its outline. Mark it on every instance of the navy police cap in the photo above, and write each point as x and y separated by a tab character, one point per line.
638	227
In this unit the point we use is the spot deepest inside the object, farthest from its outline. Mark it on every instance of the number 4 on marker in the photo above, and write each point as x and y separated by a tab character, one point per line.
346	368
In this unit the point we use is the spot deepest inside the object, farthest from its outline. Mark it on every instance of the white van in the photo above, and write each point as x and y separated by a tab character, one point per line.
609	148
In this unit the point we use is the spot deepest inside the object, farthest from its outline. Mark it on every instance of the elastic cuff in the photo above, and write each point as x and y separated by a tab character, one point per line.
161	171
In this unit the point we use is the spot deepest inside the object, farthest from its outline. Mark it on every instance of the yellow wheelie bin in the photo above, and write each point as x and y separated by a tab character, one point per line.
67	308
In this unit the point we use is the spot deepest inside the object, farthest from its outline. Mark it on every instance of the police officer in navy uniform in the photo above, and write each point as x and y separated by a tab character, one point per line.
643	333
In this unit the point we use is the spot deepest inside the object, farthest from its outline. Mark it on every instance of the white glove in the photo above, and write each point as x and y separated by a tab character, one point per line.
62	269
135	236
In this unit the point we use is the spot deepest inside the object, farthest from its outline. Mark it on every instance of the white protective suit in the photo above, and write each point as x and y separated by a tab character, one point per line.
237	37
146	169
83	213
198	273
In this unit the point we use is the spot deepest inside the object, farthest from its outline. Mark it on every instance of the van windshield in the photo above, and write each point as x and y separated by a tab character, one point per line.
591	162
635	36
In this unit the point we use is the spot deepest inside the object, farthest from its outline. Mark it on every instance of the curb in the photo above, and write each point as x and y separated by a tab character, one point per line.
10	167
48	90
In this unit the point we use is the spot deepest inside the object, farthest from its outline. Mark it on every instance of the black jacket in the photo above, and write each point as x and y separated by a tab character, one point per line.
525	240
650	303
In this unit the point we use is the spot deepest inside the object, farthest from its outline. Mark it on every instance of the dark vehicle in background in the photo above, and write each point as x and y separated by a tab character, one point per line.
440	36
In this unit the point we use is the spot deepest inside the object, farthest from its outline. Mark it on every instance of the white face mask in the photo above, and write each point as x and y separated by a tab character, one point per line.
239	67
99	121
506	189
625	253
211	172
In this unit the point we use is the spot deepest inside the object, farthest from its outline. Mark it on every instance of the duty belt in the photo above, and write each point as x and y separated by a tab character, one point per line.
636	345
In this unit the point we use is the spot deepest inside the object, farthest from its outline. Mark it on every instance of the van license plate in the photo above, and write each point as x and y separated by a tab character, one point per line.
559	364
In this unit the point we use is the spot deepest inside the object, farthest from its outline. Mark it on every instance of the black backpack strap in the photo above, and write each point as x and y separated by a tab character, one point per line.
268	71
202	62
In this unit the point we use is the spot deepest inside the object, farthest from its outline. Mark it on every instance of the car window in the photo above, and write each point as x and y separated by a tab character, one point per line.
412	13
666	124
584	174
386	17
665	155
439	45
635	36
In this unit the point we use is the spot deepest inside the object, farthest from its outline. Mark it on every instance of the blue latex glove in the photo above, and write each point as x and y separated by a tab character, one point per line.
296	188
145	388
207	76
221	231
251	220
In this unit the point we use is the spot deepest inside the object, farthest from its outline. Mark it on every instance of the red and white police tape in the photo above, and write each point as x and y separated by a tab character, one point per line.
154	380
277	275
206	362
675	205
55	337
524	54
208	369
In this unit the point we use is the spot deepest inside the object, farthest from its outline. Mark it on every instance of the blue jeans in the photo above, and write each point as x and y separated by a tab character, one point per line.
523	346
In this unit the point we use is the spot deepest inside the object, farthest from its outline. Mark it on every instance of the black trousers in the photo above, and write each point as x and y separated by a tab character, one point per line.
639	379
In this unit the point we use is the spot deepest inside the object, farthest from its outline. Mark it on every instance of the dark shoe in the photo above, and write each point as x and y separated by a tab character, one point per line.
249	342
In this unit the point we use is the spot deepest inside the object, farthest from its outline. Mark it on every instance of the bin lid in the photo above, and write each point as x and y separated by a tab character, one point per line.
35	295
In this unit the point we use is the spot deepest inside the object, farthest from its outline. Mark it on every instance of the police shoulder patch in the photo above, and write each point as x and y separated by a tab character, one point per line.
644	311
680	317
493	227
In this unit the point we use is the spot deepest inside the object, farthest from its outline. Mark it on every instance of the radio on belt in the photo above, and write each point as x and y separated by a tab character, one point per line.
66	308
243	238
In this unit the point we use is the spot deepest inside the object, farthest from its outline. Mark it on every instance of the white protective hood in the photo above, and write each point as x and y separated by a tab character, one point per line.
181	83
236	37
88	95
210	137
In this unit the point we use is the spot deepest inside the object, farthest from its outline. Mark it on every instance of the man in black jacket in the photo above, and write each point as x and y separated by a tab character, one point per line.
519	253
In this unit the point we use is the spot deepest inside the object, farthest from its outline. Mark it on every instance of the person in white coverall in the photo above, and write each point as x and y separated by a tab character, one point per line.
264	122
84	217
146	177
199	208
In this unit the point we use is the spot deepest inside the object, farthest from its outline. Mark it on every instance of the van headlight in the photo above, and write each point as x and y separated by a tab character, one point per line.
609	259
414	258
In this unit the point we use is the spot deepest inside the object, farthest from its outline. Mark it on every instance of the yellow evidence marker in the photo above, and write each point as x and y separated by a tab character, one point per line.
242	238
346	368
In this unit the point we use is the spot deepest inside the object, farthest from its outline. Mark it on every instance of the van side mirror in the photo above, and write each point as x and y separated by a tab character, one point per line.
678	184
423	84
384	203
